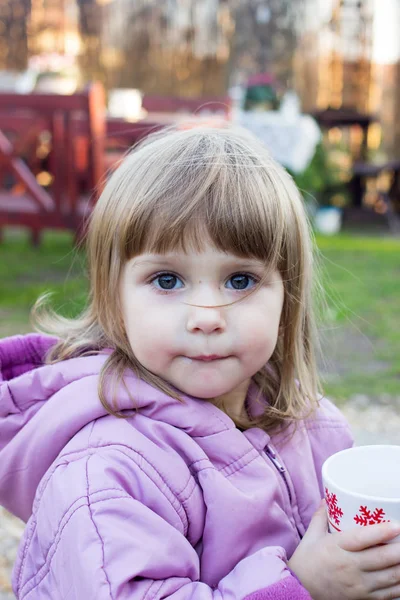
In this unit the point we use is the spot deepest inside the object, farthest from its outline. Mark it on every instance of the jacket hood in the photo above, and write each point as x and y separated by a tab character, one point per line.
43	406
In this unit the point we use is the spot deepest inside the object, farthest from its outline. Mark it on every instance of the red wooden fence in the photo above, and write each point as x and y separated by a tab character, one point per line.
73	128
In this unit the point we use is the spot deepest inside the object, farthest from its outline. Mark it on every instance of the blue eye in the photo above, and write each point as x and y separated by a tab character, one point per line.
240	282
167	281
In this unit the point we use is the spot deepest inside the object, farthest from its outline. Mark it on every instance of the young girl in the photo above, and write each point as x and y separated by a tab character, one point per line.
168	443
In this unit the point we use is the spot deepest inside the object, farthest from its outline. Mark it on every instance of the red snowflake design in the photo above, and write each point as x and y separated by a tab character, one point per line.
334	511
366	517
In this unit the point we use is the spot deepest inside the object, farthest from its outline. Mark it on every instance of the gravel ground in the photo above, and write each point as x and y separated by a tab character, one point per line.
10	532
374	421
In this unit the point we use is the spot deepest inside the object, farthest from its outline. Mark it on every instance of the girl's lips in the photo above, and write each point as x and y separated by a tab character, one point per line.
208	358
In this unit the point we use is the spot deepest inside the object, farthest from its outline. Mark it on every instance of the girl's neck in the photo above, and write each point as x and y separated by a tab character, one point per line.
233	402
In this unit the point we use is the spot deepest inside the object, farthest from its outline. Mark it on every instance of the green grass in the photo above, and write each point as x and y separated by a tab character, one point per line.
361	321
361	277
27	272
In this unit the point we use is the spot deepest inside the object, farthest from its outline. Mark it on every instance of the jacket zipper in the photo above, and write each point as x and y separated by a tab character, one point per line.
272	456
281	469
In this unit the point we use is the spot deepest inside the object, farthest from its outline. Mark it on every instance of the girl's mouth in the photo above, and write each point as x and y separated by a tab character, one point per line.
208	357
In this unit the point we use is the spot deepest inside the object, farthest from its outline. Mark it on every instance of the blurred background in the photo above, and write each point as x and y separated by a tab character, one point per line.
317	80
339	59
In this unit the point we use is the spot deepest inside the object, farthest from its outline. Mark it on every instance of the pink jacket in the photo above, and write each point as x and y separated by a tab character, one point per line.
171	503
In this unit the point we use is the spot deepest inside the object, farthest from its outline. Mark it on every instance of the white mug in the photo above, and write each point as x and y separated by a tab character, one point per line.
362	487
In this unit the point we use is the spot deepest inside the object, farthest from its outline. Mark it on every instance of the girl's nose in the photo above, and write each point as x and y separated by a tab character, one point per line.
206	319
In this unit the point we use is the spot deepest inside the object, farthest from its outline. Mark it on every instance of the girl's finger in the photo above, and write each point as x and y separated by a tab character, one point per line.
379	557
318	526
384	580
388	594
360	538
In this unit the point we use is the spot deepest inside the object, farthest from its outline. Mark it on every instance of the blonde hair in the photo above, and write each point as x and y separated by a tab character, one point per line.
163	196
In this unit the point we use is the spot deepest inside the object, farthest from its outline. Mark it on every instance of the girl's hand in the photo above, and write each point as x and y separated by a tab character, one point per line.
350	565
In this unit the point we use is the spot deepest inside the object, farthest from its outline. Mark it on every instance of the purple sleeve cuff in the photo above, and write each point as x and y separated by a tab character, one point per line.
288	588
21	353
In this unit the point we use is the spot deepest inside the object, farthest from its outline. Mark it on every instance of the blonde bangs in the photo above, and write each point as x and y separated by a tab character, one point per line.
212	189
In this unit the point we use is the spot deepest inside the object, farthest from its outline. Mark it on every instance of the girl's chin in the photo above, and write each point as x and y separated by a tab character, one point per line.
205	392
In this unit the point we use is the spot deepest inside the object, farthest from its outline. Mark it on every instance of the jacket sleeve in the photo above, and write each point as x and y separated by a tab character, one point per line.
104	543
328	434
20	354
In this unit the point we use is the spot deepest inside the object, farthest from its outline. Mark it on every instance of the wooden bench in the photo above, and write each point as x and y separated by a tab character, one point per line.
122	135
56	151
55	138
